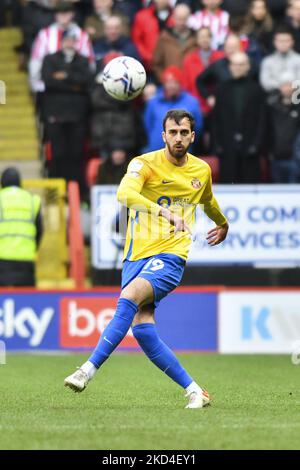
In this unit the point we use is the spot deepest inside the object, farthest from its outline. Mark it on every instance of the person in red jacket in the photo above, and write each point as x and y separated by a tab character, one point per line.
197	61
147	26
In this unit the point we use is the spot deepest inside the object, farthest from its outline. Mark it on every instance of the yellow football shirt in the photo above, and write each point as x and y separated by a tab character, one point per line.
152	181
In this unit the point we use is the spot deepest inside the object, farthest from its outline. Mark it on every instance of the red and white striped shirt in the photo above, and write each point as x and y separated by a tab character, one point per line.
217	22
48	41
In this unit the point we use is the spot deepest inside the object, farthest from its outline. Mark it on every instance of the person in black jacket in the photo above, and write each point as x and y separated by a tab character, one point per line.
67	79
114	125
238	124
219	71
112	170
113	40
293	21
283	130
236	8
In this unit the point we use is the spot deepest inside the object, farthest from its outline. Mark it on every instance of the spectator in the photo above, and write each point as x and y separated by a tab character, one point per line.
36	14
259	25
48	41
195	62
249	43
238	123
82	8
67	79
173	43
169	96
112	170
128	8
147	25
236	7
214	18
113	41
283	130
21	230
293	20
14	7
283	59
103	9
277	9
114	124
219	71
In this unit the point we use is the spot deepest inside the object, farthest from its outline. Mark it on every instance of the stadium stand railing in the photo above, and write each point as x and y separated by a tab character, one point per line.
75	236
52	260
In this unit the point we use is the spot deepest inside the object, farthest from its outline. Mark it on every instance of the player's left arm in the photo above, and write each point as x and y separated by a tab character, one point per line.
212	209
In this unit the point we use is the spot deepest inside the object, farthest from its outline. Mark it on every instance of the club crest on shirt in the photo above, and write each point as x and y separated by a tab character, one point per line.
195	183
134	168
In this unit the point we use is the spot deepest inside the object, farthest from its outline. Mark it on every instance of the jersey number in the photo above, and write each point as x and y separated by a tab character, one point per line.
155	264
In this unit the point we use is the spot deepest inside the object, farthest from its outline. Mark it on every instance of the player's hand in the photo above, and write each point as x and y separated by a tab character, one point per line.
178	222
60	75
217	234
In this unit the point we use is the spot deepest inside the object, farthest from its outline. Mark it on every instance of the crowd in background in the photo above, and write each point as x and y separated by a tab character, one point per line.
234	64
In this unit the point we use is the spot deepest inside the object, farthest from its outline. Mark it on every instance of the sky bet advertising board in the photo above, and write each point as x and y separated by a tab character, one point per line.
75	321
264	227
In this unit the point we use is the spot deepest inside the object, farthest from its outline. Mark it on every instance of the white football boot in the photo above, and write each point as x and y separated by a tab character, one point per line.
77	381
198	399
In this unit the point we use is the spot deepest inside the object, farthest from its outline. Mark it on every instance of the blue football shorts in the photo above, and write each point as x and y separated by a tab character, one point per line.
163	271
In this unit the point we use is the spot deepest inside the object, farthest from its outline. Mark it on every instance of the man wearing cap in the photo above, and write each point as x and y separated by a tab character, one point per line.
49	40
67	80
21	230
170	95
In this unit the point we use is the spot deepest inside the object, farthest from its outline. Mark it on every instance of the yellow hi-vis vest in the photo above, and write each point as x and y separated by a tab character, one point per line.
18	211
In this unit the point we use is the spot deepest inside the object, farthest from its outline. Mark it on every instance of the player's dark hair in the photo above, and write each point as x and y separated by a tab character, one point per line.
177	115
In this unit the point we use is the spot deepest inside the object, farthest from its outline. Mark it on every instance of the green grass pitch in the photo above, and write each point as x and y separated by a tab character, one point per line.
132	405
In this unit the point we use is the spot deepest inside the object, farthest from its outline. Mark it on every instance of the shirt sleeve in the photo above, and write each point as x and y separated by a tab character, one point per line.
210	204
129	192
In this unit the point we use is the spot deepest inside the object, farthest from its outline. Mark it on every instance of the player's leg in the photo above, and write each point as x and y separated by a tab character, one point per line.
145	332
138	292
132	296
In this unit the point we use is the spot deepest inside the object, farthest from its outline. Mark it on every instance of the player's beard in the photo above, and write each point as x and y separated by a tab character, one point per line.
176	151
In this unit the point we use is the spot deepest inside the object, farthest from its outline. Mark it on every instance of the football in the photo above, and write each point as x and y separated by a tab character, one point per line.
123	78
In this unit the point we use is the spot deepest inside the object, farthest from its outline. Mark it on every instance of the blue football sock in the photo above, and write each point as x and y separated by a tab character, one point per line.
114	332
159	353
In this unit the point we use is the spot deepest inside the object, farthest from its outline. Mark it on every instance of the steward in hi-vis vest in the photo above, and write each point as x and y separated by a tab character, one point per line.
20	231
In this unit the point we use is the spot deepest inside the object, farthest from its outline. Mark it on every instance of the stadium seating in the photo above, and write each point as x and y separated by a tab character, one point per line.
91	171
19	139
214	164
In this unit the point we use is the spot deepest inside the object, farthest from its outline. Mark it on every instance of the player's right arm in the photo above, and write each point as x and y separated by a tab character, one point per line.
129	194
213	211
129	191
